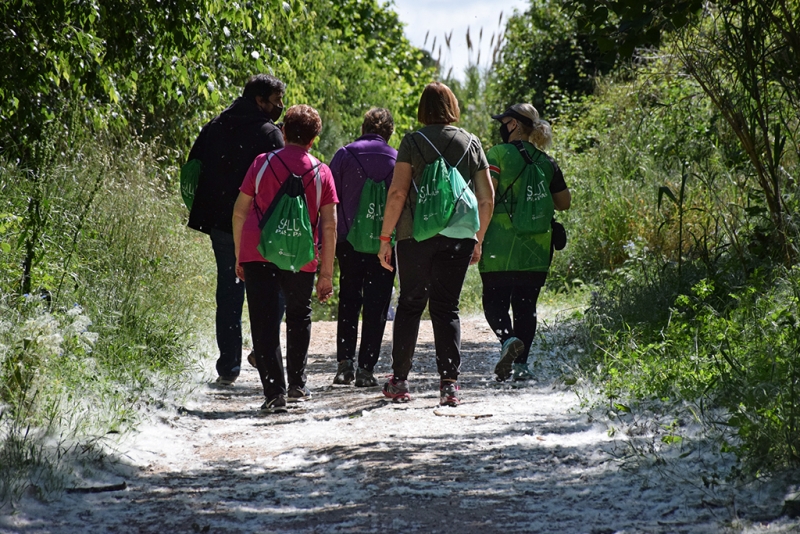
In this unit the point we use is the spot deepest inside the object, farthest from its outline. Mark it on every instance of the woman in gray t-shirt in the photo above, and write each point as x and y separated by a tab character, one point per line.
432	270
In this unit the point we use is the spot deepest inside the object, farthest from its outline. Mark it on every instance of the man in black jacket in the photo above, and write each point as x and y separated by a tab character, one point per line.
226	147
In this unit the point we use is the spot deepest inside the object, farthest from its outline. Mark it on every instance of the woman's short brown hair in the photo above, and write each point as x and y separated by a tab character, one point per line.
301	124
378	121
438	105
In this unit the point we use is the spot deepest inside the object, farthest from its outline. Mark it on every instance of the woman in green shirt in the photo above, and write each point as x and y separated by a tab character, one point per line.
516	256
432	270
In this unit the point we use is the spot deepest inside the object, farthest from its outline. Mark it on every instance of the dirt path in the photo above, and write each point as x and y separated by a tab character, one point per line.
349	461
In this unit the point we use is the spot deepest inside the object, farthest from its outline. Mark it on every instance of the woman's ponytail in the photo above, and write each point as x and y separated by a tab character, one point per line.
542	135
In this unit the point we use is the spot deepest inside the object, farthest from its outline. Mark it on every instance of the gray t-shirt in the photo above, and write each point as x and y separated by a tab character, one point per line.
452	143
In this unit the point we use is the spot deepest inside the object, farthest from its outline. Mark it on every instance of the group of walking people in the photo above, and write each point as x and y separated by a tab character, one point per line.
375	209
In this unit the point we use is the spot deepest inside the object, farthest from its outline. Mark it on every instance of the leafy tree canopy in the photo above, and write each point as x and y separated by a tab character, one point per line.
546	57
620	26
155	64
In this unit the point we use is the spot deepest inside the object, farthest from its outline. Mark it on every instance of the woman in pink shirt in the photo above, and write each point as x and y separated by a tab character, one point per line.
264	279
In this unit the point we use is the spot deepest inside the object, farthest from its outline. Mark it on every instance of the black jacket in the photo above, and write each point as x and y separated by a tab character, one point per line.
227	147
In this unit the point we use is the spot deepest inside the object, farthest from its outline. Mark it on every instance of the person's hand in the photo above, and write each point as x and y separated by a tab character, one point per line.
239	271
324	287
476	254
385	255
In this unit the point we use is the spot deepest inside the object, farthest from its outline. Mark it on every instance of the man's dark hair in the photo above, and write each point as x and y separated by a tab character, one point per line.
378	121
263	85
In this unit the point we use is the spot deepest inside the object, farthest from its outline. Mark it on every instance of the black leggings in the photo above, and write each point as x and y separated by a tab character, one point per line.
501	291
431	270
264	283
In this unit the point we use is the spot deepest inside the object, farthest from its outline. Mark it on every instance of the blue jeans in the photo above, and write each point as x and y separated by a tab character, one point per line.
230	298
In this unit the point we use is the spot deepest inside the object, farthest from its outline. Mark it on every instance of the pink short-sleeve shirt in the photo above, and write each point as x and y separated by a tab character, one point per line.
300	163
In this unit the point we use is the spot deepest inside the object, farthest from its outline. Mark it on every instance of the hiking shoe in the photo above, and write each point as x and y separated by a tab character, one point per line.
520	372
512	348
225	380
298	393
448	393
345	373
365	379
276	404
251	359
397	390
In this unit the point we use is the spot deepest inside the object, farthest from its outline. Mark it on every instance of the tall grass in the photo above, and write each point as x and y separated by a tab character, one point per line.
115	284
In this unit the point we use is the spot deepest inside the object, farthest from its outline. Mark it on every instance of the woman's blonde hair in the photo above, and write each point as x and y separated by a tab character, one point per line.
536	130
541	135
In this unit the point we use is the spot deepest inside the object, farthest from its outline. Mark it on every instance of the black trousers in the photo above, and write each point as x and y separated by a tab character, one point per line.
363	283
520	292
264	283
431	272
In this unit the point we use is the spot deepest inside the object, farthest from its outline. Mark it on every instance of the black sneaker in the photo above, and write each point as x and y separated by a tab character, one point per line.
251	358
276	404
397	390
345	373
365	379
512	348
448	393
225	380
298	393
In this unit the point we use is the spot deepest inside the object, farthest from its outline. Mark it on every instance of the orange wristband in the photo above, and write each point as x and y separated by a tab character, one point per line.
385	238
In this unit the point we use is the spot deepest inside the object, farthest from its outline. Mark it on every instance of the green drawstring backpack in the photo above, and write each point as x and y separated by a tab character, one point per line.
190	176
365	232
287	235
445	203
534	208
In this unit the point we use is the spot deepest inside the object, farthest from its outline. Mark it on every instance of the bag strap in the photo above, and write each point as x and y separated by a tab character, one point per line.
469	145
317	177
366	176
263	169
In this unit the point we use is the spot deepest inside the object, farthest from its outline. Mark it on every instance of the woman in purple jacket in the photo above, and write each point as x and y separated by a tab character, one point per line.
363	283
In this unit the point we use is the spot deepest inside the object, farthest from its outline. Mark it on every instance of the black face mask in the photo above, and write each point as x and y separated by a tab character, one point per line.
276	112
505	135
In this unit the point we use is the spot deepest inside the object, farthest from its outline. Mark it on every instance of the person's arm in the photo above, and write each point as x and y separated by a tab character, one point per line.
484	192
562	200
395	201
327	226
244	203
558	188
273	138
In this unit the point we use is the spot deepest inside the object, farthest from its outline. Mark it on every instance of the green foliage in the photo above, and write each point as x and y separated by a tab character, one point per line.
117	293
546	60
475	106
745	56
637	136
158	66
622	27
735	350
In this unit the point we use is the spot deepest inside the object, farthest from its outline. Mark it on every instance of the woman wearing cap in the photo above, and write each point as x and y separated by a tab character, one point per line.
515	262
432	270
